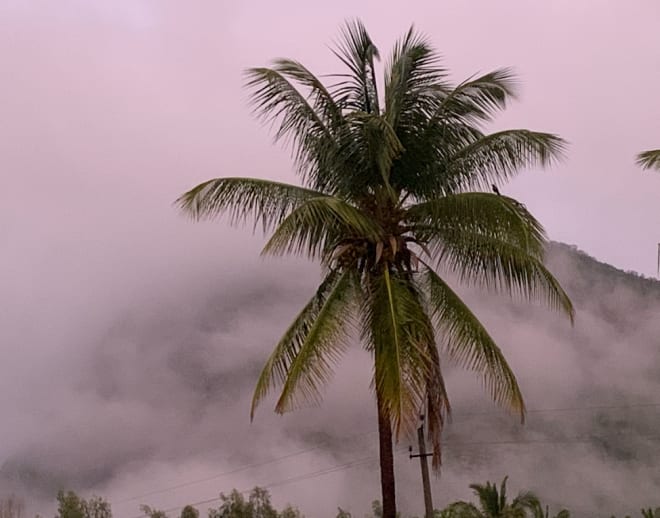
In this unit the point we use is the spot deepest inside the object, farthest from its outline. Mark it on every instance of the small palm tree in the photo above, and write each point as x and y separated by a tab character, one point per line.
392	191
539	512
493	503
649	159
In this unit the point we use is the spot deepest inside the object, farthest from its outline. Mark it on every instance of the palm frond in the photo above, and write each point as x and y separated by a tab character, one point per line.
499	156
324	342
500	266
468	343
461	510
413	77
320	98
379	147
243	199
317	225
357	90
398	332
525	501
422	170
649	159
490	214
490	499
477	99
437	404
310	126
314	328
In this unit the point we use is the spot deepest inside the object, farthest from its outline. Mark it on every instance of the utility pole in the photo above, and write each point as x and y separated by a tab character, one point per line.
423	462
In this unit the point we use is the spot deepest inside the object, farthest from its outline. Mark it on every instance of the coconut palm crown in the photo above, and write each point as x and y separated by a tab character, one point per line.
493	503
391	200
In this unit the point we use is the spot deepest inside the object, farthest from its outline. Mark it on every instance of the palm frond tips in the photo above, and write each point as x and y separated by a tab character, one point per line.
477	99
499	156
302	359
500	266
489	214
324	343
468	343
438	407
412	79
649	159
357	89
309	125
317	94
242	199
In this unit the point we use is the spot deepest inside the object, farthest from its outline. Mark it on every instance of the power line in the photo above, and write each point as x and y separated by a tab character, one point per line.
239	469
365	460
220	475
565	409
297	478
319	446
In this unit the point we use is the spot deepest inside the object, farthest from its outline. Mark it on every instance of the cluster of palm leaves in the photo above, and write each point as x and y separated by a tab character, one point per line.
493	503
395	203
649	159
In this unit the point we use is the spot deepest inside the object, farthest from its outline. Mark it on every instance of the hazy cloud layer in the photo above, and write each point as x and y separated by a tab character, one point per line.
132	338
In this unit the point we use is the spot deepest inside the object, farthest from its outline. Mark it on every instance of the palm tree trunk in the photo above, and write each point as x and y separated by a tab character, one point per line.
386	463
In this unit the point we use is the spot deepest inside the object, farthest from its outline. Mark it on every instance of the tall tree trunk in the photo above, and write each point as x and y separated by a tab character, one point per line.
386	463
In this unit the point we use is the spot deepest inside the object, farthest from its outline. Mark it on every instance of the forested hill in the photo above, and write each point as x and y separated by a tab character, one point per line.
157	395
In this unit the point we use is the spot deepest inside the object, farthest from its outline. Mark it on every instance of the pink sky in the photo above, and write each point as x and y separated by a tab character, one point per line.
111	109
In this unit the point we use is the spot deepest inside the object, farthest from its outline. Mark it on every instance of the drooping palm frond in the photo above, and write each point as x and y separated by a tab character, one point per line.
357	90
399	334
318	333
467	342
649	159
499	266
324	104
477	99
243	199
312	125
316	226
438	407
324	342
490	214
499	156
524	502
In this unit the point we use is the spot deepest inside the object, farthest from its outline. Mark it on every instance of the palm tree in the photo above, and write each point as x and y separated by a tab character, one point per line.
649	159
539	512
391	192
494	504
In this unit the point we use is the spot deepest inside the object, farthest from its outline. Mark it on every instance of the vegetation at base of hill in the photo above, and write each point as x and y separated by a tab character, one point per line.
491	501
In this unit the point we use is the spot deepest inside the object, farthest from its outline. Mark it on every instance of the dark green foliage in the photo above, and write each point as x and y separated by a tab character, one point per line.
189	512
70	505
493	503
257	505
151	512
